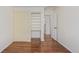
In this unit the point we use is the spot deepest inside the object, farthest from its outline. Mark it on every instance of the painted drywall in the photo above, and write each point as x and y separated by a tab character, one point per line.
68	27
6	32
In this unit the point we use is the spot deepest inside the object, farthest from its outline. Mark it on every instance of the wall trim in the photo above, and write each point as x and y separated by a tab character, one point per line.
6	45
64	46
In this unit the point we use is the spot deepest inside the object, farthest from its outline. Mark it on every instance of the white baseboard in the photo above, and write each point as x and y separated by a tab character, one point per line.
21	40
64	45
43	40
6	45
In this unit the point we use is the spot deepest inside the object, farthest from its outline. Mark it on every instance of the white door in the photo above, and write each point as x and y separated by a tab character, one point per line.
22	26
47	24
54	26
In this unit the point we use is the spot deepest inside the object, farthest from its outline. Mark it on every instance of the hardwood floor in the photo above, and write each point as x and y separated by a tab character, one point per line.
18	47
52	46
36	46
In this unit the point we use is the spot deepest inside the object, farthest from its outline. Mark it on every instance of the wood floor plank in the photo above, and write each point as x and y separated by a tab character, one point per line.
36	46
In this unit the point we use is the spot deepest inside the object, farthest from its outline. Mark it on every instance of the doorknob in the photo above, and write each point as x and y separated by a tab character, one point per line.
55	27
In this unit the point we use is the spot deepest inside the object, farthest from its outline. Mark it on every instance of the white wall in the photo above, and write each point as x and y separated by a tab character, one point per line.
68	27
5	27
